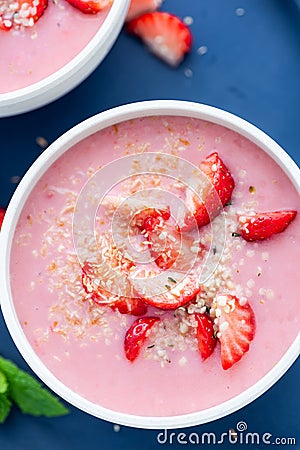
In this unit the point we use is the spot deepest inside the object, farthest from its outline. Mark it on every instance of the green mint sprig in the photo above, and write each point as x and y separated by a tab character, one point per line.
17	386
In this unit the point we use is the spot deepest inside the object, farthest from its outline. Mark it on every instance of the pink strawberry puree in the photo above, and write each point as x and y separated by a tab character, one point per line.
84	347
30	55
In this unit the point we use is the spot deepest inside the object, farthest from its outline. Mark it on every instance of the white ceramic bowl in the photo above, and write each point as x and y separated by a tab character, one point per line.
76	134
73	73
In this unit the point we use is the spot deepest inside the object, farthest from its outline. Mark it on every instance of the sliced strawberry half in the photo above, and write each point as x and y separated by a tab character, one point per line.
164	240
260	226
169	289
172	249
101	296
139	7
149	218
20	13
90	283
2	214
90	6
205	335
214	168
168	247
165	244
164	34
236	328
136	336
130	305
214	193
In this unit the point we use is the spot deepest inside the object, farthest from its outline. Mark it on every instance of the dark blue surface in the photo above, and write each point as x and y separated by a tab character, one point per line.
252	68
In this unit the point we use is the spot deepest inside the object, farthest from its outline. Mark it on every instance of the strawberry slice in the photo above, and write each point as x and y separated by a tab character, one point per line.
169	289
164	34
214	168
90	6
214	193
205	335
167	245
136	336
20	13
149	218
172	249
130	305
99	295
165	242
2	214
260	226
164	239
236	328
139	7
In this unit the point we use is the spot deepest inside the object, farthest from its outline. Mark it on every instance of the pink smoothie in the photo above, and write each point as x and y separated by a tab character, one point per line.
34	53
82	343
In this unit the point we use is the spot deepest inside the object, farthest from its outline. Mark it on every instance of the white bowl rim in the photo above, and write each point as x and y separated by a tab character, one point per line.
39	167
76	70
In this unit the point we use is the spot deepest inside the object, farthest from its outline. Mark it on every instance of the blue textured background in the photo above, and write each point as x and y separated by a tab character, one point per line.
251	68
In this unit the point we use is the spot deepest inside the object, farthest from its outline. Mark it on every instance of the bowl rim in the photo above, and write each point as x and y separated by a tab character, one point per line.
41	165
67	77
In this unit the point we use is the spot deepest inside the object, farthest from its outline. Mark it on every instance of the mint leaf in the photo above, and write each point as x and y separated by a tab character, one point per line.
5	406
3	383
29	394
